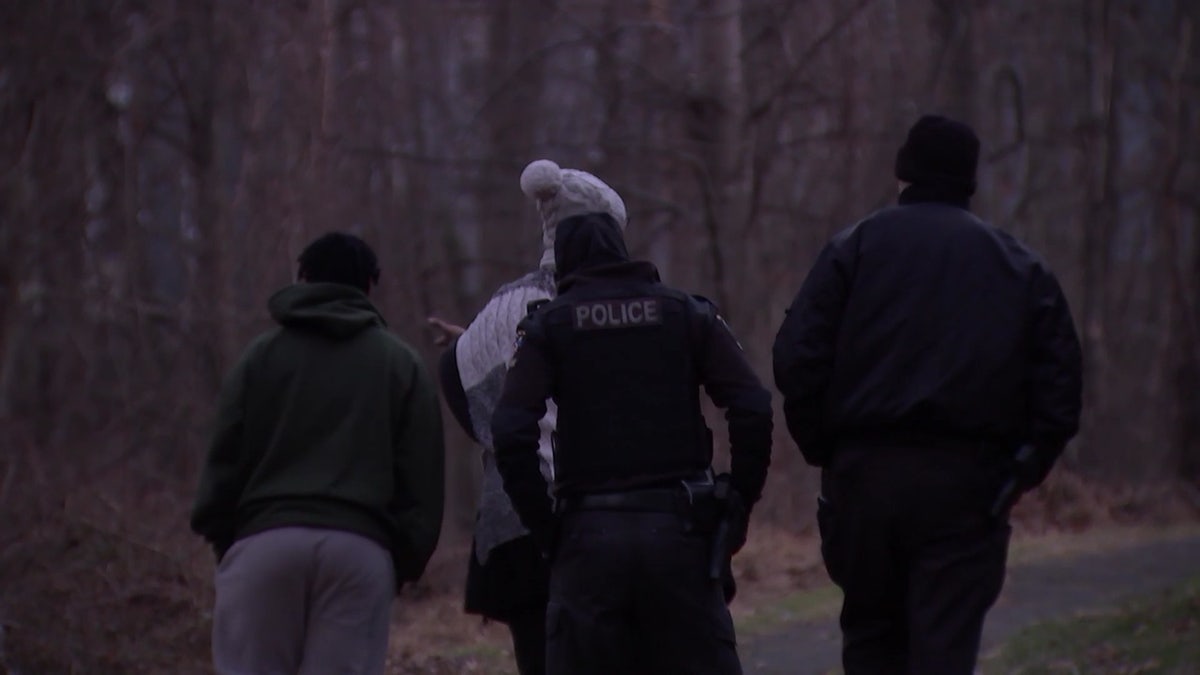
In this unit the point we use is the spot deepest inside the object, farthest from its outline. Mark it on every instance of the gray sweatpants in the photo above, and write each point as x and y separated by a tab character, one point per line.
305	601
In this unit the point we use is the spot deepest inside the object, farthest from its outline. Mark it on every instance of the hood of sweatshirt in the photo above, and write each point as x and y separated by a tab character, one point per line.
335	310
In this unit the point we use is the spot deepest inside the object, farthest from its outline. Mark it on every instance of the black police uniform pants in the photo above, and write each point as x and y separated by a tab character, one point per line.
906	534
630	594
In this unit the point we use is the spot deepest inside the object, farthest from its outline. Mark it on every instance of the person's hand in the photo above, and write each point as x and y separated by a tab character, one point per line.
1027	470
444	331
1030	467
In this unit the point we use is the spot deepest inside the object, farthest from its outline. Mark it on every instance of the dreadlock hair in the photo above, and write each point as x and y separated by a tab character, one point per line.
339	258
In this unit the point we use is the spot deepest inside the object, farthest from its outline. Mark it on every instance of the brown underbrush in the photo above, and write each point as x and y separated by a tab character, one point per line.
108	579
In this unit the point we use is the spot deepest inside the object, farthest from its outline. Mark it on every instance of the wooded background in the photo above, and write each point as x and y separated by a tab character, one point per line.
162	164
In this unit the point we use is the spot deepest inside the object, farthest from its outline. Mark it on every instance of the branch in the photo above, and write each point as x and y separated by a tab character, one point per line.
525	64
1008	74
669	86
19	157
653	201
939	63
174	141
407	155
833	136
806	58
773	27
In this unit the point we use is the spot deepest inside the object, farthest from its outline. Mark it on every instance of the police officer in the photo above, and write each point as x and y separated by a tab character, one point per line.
633	529
930	365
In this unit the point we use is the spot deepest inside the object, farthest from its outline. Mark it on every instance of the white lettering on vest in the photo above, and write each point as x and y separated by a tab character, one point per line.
622	313
652	315
637	313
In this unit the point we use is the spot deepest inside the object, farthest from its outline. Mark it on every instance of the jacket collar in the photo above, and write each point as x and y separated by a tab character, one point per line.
918	193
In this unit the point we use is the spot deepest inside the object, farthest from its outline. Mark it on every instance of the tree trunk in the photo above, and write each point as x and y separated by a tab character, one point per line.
718	107
210	288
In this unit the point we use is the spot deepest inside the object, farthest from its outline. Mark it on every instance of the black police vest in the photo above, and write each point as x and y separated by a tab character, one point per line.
627	387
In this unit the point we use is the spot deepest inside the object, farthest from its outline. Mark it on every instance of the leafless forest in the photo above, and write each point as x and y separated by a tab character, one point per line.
162	163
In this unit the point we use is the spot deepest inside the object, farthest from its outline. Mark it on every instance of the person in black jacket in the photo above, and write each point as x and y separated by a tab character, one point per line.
631	527
930	366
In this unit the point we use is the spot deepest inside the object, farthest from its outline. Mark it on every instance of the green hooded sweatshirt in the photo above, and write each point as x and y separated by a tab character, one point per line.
328	421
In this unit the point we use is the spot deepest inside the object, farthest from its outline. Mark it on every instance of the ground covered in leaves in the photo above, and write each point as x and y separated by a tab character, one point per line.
109	580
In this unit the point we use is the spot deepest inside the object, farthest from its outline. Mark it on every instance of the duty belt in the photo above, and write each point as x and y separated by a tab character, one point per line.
661	500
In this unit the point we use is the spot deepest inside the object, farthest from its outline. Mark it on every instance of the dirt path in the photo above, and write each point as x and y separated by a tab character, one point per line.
1032	592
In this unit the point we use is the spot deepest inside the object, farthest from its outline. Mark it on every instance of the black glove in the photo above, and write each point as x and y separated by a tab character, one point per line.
1031	471
739	521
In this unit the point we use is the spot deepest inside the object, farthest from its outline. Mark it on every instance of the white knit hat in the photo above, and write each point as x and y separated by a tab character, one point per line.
562	193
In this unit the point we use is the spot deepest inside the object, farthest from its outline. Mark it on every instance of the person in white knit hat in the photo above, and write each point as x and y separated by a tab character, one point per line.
507	578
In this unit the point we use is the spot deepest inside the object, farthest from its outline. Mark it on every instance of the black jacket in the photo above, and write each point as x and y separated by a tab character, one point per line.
923	323
590	254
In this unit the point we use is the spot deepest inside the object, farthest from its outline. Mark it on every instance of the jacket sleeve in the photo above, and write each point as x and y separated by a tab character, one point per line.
483	352
226	467
515	433
452	389
805	347
732	385
419	466
1056	372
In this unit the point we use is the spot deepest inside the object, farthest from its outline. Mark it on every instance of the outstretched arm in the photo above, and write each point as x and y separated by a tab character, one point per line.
444	331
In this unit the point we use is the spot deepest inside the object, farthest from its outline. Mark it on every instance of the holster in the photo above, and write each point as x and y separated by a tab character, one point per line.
701	512
707	507
724	518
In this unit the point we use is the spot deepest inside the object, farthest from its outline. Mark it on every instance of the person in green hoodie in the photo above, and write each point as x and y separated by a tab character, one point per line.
322	492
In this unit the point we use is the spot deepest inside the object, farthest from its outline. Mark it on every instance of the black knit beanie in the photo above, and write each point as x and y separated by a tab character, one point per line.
939	152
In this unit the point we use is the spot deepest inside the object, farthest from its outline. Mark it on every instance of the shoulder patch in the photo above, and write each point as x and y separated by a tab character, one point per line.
705	305
617	313
711	308
729	330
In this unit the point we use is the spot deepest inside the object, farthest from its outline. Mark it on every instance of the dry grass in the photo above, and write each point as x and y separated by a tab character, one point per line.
1066	502
1159	633
98	587
431	633
110	580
